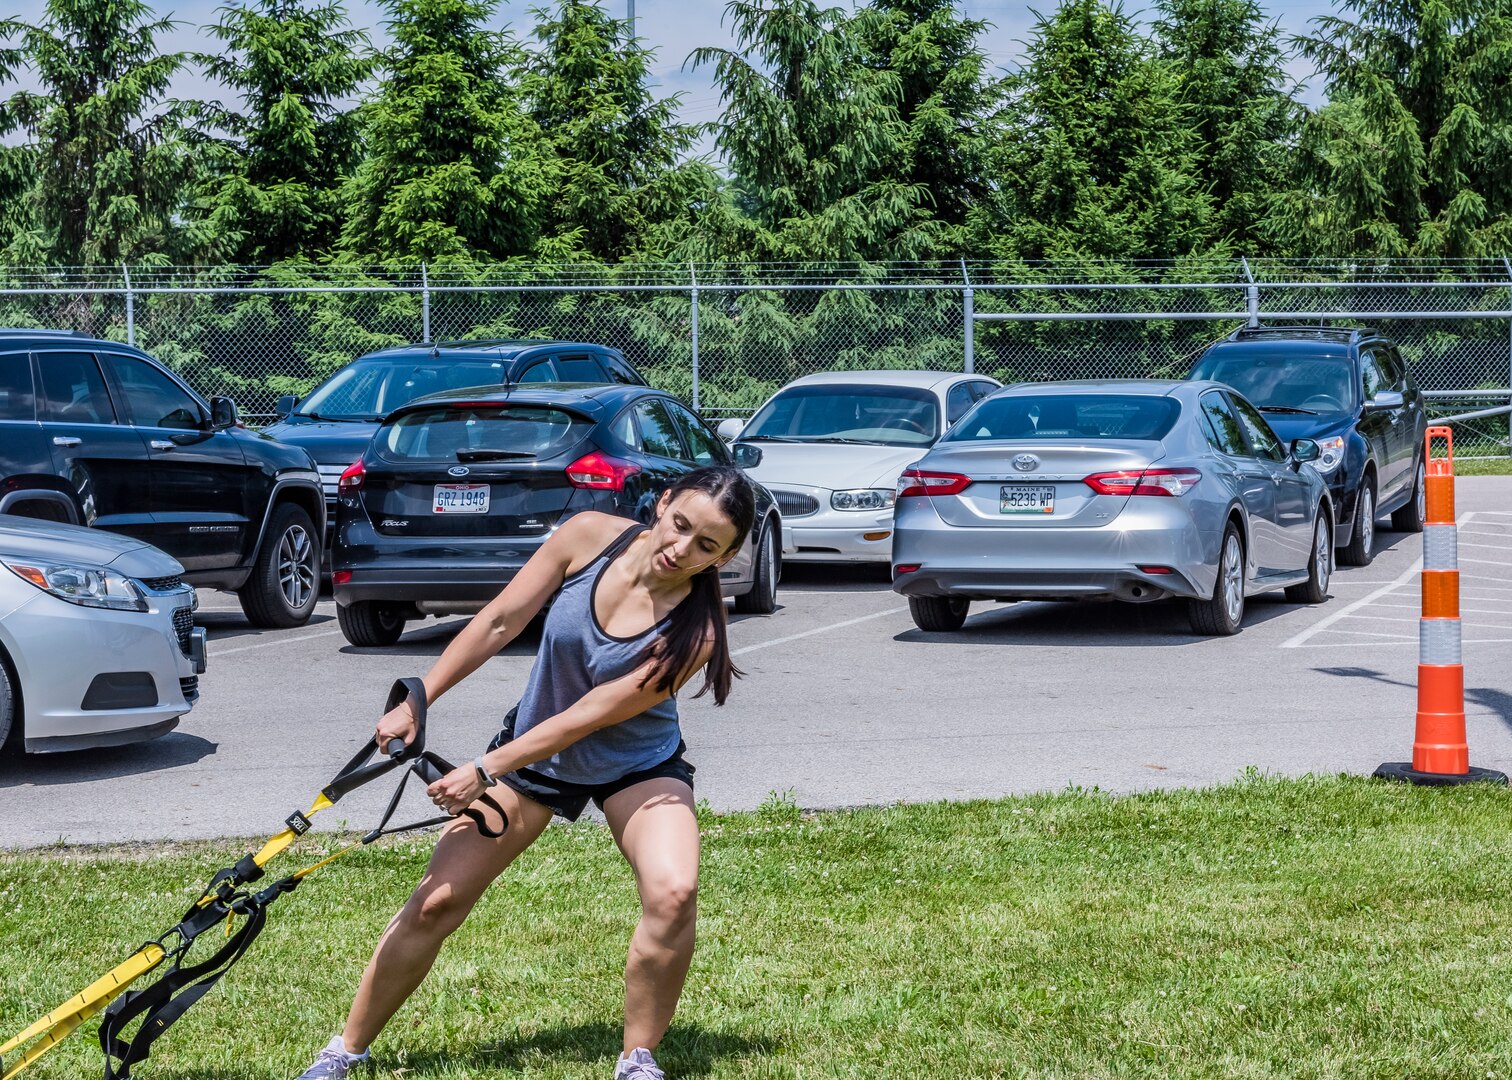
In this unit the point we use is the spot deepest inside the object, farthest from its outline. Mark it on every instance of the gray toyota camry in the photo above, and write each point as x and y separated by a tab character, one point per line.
1136	490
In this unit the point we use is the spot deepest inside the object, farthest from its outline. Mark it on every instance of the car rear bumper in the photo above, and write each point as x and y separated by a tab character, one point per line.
131	669
434	590
1050	563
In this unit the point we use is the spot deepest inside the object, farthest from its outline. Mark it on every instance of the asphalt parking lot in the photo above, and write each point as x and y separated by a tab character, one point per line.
845	702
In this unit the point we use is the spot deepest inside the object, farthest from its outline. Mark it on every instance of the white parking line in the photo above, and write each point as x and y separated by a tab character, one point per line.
266	644
816	630
1298	640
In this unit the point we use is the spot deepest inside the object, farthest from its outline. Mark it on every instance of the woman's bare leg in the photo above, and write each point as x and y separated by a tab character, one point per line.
656	828
463	865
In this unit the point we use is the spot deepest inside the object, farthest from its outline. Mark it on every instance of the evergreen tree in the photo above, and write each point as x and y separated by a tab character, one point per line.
1237	96
1413	152
812	135
454	163
1097	158
292	144
946	98
615	150
109	165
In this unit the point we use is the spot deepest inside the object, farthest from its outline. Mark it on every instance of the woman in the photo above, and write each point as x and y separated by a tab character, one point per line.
638	614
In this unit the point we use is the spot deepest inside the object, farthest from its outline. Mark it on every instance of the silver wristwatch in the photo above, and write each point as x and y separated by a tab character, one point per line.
484	775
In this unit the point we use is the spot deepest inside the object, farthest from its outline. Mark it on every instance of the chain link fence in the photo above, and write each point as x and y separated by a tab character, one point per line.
724	337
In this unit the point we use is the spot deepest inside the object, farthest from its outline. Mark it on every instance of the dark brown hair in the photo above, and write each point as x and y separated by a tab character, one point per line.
701	615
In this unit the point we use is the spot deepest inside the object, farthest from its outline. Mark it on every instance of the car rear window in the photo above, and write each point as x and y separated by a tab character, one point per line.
1067	416
371	389
1314	382
479	432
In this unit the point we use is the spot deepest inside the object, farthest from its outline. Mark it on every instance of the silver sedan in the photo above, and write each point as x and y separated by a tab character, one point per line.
1135	491
98	645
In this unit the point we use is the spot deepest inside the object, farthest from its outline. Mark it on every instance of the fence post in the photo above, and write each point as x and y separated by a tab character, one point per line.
1508	264
693	290
1251	294
968	302
130	307
424	303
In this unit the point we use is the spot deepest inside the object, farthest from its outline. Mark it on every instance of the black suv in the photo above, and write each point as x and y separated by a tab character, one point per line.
1349	391
98	433
335	420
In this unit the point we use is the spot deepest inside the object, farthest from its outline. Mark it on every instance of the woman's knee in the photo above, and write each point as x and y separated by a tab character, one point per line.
670	899
435	911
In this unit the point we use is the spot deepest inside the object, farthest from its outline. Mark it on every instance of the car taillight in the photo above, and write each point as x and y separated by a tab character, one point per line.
914	482
341	577
1147	482
598	470
351	479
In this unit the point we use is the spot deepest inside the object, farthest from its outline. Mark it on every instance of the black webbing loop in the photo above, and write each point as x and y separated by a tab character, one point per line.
359	770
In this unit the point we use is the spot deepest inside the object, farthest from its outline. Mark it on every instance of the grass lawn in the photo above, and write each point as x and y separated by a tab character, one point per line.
1269	928
1497	466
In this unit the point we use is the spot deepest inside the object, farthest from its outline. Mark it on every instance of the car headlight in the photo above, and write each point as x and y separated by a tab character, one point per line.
88	586
863	499
1330	454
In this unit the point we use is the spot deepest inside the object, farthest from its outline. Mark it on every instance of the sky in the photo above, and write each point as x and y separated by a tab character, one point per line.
673	28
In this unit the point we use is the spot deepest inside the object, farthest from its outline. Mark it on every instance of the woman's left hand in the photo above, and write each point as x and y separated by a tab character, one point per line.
457	790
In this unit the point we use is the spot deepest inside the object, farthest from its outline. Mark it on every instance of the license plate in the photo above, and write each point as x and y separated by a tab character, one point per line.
1026	499
461	499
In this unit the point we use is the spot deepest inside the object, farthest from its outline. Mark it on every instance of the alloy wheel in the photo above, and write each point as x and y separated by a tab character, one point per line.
296	566
1323	554
1367	518
1233	579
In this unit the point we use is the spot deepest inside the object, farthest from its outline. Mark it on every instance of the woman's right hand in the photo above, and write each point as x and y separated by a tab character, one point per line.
397	723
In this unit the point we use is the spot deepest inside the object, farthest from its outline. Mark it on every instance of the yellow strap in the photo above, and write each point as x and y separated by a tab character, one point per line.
57	1025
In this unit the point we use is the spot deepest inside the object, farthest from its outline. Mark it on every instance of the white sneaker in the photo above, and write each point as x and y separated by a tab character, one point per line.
639	1065
335	1062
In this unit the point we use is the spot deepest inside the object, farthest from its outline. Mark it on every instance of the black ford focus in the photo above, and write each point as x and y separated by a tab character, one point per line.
457	490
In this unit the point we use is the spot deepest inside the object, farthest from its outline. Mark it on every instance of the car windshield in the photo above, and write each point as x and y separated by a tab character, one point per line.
454	433
848	412
1067	416
1316	383
368	391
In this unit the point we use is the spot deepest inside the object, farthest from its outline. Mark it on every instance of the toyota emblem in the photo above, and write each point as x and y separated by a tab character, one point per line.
458	470
1026	463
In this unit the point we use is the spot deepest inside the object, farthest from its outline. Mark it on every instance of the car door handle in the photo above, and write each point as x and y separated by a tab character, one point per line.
66	440
161	444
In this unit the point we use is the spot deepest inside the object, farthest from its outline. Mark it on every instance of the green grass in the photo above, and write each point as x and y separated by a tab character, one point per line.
1270	928
1487	466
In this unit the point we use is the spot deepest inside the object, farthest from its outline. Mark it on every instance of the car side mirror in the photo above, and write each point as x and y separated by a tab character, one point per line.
223	413
728	430
1386	399
747	456
285	405
1305	450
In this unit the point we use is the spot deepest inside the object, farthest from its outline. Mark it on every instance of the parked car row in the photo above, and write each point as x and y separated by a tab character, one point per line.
425	476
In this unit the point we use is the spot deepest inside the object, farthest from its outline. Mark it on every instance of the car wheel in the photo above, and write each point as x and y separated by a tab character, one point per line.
1319	568
1358	551
10	729
1220	614
371	623
762	599
941	614
285	581
1410	518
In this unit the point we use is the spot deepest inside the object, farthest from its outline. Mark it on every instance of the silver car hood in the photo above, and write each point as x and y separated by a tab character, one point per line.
49	541
833	465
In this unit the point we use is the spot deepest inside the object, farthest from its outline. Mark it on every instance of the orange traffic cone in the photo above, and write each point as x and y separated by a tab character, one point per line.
1440	755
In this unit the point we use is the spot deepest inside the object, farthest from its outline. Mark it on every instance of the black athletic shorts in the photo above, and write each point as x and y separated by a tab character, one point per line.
569	800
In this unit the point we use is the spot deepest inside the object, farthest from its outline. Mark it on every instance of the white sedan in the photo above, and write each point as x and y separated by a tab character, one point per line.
832	446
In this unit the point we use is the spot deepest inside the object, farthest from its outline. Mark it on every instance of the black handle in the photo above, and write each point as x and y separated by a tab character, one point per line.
432	767
360	769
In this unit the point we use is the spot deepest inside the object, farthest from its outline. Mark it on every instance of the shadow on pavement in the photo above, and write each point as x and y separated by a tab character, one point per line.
1105	624
82	766
1495	701
224	626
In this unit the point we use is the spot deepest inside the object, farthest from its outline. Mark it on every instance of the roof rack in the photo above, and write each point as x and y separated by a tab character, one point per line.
32	330
1313	330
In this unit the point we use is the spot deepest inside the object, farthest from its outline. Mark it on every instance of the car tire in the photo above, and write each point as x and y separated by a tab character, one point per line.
10	728
1319	568
371	623
1409	517
940	614
1221	614
762	599
1362	536
285	580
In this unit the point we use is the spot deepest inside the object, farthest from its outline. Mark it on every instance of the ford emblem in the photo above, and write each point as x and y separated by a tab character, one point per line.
458	470
1026	463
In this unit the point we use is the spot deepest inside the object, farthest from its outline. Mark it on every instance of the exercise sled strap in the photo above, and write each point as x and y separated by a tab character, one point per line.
221	902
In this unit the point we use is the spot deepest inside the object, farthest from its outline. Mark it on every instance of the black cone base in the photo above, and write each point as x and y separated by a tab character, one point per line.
1403	770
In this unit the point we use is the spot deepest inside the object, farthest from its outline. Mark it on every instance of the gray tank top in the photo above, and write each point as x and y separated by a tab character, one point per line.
575	656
